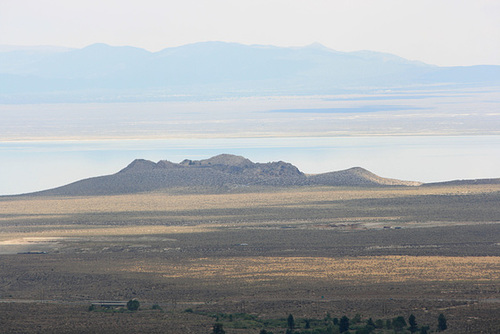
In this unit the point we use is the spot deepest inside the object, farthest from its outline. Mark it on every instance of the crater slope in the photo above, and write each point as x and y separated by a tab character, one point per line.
220	173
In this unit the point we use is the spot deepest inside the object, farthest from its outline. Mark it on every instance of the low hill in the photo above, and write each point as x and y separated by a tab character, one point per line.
464	182
357	176
224	172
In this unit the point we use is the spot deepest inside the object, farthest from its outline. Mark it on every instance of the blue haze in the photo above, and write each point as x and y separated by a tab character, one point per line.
100	73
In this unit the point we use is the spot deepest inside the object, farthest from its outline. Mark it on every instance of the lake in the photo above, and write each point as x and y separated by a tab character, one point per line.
433	135
35	165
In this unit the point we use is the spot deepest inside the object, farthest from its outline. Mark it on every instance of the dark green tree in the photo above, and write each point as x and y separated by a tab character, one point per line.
308	324
133	305
424	329
413	324
218	329
442	322
399	323
344	324
388	324
364	330
291	322
379	323
263	331
369	327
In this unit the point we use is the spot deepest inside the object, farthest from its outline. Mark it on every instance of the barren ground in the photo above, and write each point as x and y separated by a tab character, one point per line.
376	252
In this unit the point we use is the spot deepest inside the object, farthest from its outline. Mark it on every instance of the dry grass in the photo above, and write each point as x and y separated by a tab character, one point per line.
290	206
362	270
68	231
160	202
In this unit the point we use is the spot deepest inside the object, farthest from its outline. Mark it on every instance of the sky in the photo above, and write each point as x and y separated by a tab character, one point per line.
439	32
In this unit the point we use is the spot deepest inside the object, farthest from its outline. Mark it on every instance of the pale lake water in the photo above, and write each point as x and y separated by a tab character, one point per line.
427	136
36	165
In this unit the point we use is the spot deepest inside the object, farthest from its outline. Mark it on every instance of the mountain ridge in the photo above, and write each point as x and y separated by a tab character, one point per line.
115	73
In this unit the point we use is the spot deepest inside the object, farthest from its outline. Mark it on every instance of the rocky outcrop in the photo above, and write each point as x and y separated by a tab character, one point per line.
221	173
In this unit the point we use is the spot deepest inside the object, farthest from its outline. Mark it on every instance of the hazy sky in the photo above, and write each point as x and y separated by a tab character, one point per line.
442	32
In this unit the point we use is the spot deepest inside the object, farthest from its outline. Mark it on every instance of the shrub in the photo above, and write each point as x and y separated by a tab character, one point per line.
379	323
133	305
364	330
398	323
217	329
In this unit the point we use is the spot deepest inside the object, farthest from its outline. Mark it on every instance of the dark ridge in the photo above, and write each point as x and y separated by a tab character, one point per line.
139	165
222	173
463	182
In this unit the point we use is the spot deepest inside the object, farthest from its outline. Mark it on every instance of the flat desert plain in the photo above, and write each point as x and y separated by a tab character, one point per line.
248	259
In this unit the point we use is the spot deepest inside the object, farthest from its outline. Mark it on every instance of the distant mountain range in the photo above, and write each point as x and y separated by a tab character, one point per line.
100	72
